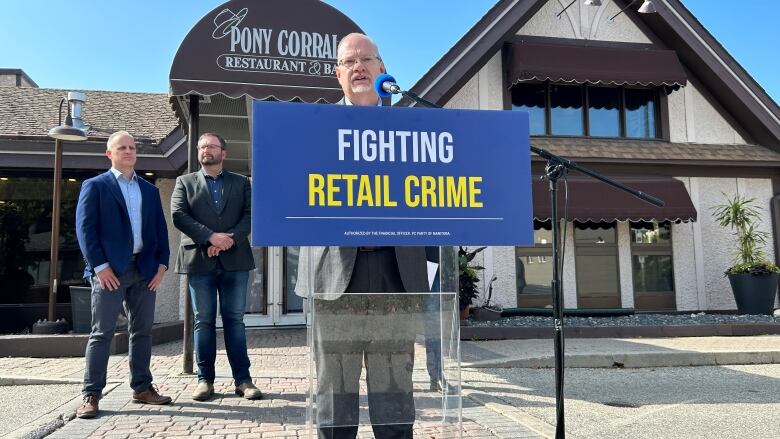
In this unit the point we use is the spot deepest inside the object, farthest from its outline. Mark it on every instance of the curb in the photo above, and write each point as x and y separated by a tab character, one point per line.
531	332
515	414
50	422
635	360
11	380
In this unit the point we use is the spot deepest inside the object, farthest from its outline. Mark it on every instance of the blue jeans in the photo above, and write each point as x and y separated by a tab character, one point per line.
231	287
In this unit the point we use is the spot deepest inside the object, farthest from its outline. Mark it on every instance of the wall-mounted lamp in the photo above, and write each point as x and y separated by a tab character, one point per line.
647	8
72	130
587	3
149	174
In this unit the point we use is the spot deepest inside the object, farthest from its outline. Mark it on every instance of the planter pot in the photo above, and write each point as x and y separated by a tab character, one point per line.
754	294
486	314
464	313
81	306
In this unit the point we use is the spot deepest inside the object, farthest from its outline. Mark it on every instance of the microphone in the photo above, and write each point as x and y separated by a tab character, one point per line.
385	85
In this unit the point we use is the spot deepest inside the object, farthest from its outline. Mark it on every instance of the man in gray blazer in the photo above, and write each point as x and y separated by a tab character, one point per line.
211	208
354	322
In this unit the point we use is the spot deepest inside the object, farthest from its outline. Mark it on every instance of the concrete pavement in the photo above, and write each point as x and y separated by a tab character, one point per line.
280	365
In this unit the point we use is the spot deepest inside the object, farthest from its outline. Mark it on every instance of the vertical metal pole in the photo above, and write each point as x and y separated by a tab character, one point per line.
560	428
192	166
55	229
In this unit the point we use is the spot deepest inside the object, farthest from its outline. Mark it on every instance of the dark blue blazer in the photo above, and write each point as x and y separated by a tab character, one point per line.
104	232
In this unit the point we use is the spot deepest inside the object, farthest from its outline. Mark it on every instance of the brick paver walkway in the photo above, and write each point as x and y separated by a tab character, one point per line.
280	368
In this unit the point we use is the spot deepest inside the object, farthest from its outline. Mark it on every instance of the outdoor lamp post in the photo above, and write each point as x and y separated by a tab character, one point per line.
72	130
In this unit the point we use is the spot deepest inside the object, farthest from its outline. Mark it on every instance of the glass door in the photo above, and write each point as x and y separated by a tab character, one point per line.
271	299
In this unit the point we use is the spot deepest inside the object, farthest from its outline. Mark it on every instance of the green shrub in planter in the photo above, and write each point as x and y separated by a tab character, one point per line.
753	277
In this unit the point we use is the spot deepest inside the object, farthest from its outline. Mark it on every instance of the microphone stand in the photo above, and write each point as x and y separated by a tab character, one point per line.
556	168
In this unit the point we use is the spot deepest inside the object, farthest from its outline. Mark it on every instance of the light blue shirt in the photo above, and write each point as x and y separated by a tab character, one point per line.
132	195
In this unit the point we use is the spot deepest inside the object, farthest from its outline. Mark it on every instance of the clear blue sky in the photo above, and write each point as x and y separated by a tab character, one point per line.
129	45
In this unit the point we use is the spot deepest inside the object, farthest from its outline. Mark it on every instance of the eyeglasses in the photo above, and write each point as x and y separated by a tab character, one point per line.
352	62
209	146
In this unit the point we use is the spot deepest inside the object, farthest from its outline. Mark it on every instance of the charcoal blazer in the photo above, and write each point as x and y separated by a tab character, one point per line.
104	232
195	215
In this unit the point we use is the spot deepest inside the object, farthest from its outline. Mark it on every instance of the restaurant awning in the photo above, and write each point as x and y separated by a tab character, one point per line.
274	49
594	65
595	201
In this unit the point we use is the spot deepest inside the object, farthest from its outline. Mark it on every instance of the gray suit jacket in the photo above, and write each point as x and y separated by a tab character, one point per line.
332	268
194	213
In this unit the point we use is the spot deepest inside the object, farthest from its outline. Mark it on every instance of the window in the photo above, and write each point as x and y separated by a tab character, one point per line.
25	243
604	111
533	269
652	268
566	110
574	110
640	113
596	261
532	99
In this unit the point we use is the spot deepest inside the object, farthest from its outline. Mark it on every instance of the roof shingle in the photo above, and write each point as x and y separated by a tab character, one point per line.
27	111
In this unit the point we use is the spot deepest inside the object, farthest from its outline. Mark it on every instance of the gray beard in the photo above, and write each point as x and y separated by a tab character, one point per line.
361	88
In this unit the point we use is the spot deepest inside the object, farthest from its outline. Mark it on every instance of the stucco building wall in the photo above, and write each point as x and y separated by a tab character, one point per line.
701	250
167	306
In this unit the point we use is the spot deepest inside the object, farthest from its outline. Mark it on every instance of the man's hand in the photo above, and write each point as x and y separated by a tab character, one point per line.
213	251
107	279
157	279
222	241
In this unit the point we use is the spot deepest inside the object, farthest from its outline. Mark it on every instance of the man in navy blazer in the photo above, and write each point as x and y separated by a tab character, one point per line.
123	236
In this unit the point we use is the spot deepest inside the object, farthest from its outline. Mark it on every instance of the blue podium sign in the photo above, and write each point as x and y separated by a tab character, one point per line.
376	176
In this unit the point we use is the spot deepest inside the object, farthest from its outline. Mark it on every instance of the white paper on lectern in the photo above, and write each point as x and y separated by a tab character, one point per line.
432	267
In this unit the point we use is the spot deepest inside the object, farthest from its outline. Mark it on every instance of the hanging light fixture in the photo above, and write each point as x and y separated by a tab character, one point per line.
73	130
586	3
647	8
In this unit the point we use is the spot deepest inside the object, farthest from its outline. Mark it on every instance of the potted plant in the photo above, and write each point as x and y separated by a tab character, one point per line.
488	312
467	280
753	278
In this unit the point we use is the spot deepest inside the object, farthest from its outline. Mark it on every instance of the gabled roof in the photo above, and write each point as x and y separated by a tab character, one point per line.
678	29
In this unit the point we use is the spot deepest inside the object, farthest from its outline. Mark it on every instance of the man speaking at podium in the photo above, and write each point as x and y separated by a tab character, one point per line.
351	325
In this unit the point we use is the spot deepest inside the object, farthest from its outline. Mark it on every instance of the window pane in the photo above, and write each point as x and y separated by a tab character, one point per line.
640	113
589	234
534	274
25	240
604	111
531	98
597	276
293	301
651	233
566	110
652	273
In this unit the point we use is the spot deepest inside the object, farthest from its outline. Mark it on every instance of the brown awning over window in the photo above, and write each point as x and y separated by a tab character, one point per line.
595	65
592	200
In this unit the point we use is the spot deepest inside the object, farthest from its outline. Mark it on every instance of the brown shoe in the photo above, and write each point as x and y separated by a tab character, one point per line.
89	408
249	391
150	396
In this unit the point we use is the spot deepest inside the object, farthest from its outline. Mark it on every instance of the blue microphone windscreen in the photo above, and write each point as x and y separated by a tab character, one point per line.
381	79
